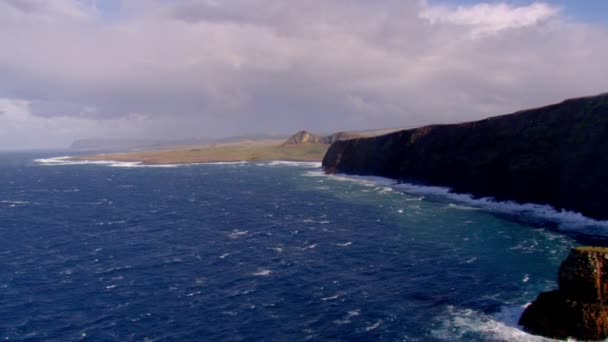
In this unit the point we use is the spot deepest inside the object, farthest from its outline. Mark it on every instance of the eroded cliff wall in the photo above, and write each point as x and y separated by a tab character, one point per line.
556	155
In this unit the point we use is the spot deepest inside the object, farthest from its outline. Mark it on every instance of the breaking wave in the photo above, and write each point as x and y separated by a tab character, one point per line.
565	220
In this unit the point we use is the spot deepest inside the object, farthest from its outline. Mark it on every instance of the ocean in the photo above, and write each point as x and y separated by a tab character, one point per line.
269	251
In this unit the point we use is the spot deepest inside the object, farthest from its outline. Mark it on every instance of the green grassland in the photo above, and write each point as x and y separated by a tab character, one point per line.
245	151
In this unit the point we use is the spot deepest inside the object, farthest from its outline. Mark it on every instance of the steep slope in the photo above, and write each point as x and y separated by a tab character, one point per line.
555	155
305	137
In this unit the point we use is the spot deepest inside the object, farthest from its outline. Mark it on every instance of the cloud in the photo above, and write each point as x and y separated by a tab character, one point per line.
487	18
47	10
20	129
212	68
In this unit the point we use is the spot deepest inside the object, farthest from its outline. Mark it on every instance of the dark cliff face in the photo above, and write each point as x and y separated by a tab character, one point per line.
556	155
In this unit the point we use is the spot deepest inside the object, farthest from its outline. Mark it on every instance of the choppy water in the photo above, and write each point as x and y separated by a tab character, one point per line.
265	251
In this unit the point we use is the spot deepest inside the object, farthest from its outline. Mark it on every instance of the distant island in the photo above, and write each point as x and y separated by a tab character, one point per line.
302	146
555	155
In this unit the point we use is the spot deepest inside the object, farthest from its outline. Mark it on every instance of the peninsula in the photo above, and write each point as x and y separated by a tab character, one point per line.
555	155
302	146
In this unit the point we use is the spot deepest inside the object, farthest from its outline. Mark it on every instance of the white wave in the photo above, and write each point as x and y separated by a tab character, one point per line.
237	233
318	222
566	220
313	246
223	163
336	296
262	273
347	318
139	164
373	326
68	160
458	323
292	163
461	207
344	244
15	202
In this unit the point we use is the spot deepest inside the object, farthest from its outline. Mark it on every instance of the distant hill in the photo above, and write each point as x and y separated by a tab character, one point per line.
305	137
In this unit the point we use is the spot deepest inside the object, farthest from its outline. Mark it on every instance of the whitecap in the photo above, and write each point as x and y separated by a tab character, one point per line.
224	255
473	259
373	326
237	234
347	319
262	273
15	202
336	296
313	246
345	244
461	207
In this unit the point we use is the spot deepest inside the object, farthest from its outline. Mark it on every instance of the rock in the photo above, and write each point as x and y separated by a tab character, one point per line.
305	137
555	155
583	276
579	310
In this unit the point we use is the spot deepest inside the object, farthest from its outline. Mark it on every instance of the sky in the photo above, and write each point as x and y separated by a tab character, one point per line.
160	69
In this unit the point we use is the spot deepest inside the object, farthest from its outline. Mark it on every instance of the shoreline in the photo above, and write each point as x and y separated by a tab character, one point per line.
241	152
70	160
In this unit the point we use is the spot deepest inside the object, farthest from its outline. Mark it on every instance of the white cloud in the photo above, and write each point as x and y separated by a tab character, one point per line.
201	68
485	18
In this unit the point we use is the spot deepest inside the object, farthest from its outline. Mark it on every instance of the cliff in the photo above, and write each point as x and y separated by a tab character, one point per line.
305	137
579	308
556	155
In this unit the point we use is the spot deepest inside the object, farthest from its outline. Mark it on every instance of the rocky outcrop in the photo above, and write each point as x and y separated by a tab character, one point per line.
579	309
556	155
305	137
330	139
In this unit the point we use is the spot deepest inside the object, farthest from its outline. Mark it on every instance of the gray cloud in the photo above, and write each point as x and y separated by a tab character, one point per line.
210	68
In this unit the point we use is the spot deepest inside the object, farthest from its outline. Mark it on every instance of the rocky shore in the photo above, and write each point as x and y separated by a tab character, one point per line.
579	308
555	155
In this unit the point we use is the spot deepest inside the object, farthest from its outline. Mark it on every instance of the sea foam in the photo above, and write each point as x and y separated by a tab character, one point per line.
565	220
457	324
68	160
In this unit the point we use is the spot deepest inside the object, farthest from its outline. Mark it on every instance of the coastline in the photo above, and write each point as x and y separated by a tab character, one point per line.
225	153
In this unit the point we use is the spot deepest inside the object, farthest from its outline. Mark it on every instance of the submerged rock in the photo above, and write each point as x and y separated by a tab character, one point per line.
579	309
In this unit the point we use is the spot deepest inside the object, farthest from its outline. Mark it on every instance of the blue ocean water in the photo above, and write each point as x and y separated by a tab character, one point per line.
261	252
